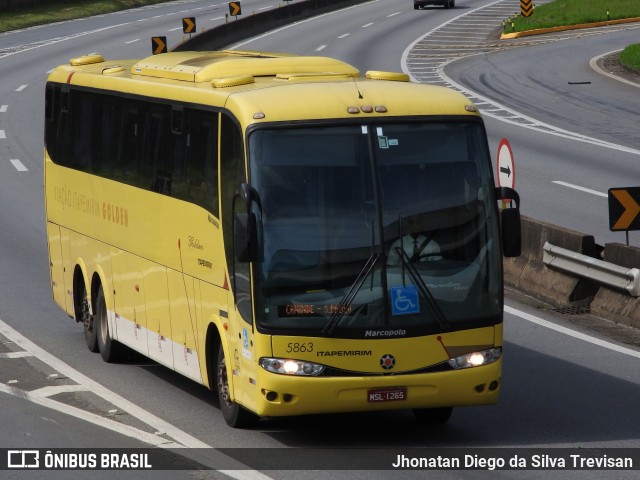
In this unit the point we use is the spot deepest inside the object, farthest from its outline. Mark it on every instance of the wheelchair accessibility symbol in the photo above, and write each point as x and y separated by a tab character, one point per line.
404	300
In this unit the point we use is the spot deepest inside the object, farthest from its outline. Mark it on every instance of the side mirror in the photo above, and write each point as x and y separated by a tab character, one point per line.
510	223
249	196
246	226
246	237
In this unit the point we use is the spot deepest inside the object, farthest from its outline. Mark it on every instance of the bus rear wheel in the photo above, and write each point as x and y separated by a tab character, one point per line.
433	415
84	316
110	350
235	415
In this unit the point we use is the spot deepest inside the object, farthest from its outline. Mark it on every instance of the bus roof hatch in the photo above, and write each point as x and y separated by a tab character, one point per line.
207	66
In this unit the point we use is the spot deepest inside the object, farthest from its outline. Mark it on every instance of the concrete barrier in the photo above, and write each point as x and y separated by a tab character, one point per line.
529	274
612	304
251	25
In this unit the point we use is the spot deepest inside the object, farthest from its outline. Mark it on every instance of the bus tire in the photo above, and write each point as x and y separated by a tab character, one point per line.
434	416
110	350
235	415
84	316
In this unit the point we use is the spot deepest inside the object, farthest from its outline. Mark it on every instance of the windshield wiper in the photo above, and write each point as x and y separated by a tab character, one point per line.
422	287
351	294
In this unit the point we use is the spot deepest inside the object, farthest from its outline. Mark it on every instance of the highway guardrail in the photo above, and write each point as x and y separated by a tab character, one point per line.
604	273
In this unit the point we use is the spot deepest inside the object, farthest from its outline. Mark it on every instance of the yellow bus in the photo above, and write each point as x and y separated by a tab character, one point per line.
295	236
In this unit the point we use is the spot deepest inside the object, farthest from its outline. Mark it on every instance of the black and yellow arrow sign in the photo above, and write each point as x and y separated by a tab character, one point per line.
234	9
526	8
158	45
624	209
189	25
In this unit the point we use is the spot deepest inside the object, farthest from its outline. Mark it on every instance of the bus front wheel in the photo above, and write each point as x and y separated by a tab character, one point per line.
433	415
235	415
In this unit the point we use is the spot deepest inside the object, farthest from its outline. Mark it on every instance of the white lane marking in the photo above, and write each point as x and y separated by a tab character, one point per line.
121	428
582	189
15	355
245	474
393	14
52	390
132	41
572	333
594	64
297	24
367	25
21	88
3	108
175	29
40	397
3	135
534	124
122	403
344	35
320	48
19	166
52	41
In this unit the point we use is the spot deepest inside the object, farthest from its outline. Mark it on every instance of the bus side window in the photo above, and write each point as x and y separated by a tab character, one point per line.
155	162
127	148
81	131
232	175
201	159
52	119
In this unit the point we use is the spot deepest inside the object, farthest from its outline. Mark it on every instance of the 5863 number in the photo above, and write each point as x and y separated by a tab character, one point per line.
295	347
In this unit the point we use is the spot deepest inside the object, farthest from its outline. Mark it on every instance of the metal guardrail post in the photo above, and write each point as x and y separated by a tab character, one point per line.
605	273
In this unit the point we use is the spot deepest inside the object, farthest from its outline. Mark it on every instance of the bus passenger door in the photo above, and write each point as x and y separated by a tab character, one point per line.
244	351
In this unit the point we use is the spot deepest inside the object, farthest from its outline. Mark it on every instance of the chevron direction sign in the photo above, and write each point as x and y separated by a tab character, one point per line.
188	24
624	209
158	45
526	8
234	9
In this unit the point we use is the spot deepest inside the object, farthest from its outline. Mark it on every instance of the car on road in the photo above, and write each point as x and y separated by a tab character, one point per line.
418	4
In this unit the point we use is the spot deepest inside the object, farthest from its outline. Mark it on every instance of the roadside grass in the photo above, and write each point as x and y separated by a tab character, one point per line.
575	12
630	57
15	19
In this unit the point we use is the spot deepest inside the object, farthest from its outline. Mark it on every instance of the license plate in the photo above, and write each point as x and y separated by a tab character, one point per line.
387	394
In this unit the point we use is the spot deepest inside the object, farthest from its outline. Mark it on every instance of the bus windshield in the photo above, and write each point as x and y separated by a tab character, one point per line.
389	227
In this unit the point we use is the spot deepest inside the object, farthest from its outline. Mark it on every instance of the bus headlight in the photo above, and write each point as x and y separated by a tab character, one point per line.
476	359
291	367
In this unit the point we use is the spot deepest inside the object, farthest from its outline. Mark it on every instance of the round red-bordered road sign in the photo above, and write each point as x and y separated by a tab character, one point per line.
505	166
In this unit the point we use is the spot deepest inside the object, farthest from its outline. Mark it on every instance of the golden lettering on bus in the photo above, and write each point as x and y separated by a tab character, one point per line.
86	204
79	201
62	195
115	214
